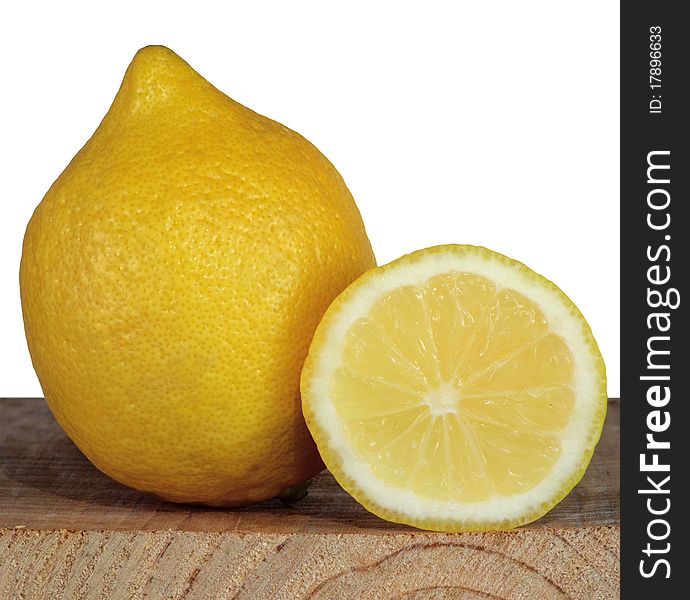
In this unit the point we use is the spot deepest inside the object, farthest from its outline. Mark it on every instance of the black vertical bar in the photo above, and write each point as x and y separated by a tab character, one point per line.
654	348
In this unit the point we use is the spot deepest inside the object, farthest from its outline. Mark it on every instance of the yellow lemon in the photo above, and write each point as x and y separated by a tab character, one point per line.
171	281
455	389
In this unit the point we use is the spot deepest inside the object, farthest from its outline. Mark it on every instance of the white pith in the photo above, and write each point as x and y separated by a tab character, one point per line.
576	437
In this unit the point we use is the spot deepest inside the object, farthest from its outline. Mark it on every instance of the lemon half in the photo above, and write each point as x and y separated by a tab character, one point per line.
455	389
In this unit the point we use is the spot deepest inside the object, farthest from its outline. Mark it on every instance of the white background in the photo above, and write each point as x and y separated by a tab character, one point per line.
491	123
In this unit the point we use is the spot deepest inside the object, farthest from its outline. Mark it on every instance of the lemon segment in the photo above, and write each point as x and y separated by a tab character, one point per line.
455	389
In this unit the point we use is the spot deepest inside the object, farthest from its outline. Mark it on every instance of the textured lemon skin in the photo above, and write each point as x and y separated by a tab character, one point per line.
334	463
171	280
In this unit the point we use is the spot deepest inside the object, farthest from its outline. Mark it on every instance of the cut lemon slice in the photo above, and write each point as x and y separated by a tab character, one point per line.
455	389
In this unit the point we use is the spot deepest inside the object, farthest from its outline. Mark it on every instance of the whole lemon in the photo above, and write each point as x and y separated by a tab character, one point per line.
171	281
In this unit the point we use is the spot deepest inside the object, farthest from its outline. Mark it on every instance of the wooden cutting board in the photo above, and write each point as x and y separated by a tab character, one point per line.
69	532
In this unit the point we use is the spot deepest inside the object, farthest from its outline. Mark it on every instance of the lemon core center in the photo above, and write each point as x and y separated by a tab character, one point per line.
442	400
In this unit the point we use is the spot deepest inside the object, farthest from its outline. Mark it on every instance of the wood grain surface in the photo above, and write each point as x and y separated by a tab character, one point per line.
69	532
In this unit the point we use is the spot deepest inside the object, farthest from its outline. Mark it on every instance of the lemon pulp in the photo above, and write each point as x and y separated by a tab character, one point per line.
455	389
